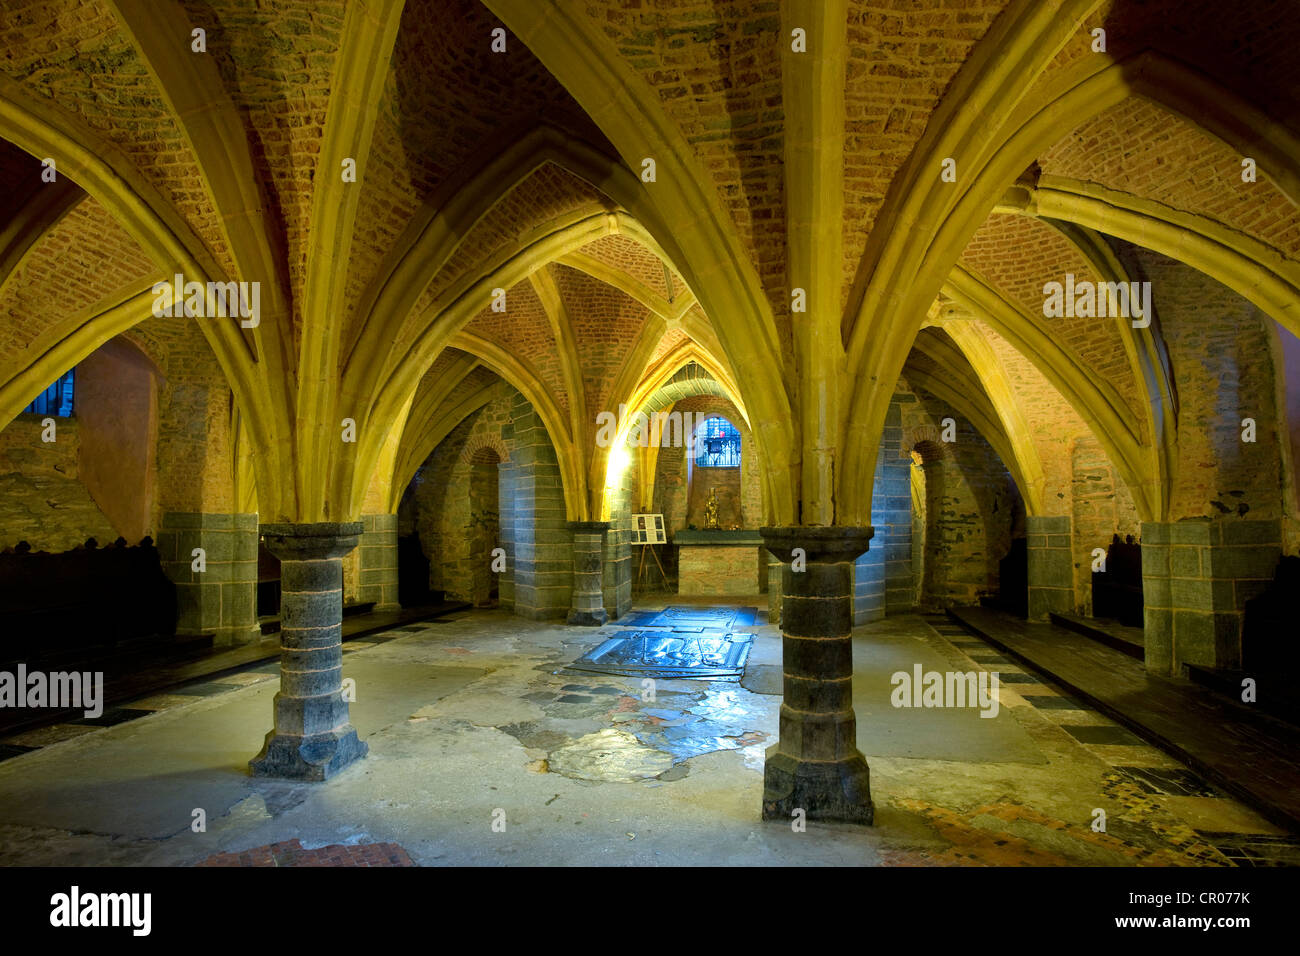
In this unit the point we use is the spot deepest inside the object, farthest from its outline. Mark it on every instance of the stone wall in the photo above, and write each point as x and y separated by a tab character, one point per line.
194	454
1220	347
221	599
721	570
42	500
377	560
459	524
971	505
458	494
891	511
1197	575
1049	547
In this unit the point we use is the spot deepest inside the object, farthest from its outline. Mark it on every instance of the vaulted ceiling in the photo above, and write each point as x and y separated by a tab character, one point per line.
501	224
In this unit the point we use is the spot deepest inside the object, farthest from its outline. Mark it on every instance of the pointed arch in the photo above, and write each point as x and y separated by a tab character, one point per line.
1097	402
996	385
1017	135
684	214
42	211
102	170
539	396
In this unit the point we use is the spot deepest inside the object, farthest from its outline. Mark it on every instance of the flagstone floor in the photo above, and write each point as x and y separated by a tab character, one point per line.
483	750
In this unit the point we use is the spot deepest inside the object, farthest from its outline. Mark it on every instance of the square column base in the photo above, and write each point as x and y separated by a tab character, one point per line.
838	791
314	757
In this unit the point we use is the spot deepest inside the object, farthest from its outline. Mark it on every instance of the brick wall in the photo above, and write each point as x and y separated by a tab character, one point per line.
1219	348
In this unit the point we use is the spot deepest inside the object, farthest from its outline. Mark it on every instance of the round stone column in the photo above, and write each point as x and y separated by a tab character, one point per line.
588	607
312	739
816	765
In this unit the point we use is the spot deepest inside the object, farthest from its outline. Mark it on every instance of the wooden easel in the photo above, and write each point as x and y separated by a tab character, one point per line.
663	575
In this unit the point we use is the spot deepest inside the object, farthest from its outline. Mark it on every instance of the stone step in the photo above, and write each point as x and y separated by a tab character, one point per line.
1245	752
1111	633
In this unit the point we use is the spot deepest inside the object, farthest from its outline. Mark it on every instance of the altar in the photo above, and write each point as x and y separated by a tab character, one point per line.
720	562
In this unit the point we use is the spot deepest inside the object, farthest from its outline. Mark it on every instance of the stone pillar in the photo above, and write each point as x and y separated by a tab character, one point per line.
588	608
816	765
618	568
891	512
775	579
868	587
220	600
378	572
507	491
882	576
312	739
1051	565
542	559
1197	576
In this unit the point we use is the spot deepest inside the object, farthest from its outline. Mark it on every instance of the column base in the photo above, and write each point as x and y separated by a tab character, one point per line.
314	757
239	636
587	618
838	791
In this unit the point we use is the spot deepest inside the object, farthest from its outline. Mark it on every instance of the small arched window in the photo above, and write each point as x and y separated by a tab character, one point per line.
717	444
55	400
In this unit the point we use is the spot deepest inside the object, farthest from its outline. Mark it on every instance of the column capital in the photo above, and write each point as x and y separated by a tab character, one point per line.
819	542
311	542
588	527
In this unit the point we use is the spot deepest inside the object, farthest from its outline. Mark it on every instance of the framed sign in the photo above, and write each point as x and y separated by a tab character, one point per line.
648	529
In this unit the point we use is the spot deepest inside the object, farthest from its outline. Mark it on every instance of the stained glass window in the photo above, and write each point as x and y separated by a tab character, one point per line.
717	444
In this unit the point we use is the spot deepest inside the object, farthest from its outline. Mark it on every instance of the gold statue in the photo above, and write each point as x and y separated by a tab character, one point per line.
711	512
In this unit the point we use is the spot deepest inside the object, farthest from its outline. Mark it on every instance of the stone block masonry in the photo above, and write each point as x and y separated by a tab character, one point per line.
542	541
774	571
588	608
222	599
507	490
891	512
378	568
1197	576
1051	565
618	549
882	576
313	738
816	766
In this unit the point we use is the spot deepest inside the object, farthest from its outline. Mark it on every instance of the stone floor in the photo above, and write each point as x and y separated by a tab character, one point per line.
483	751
